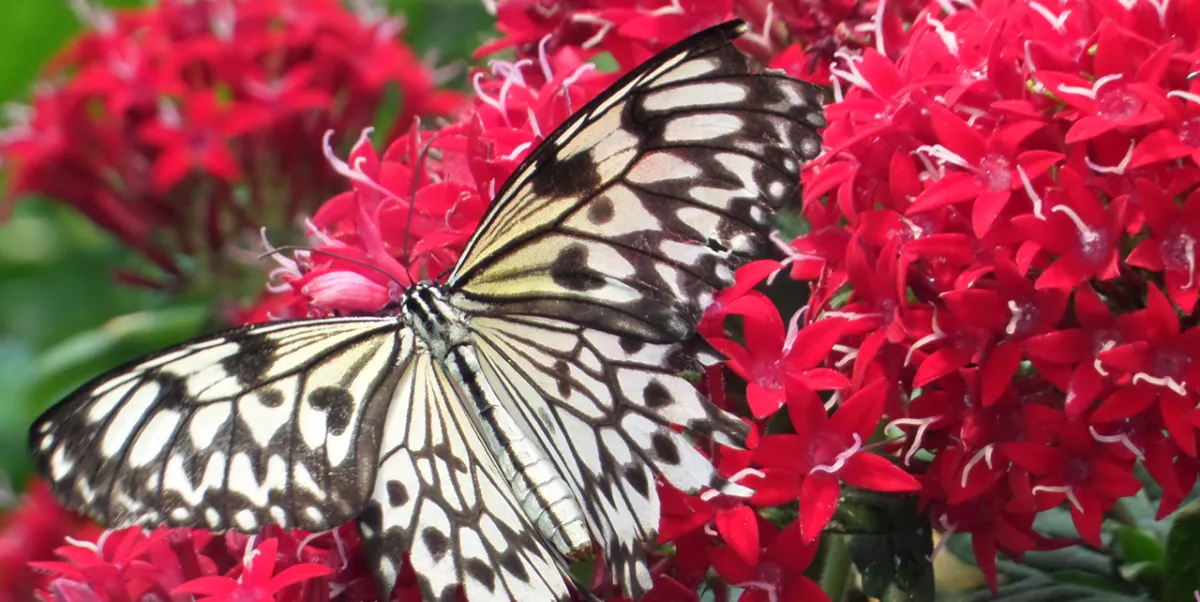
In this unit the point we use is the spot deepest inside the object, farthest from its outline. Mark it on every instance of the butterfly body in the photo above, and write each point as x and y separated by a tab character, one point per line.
445	333
488	429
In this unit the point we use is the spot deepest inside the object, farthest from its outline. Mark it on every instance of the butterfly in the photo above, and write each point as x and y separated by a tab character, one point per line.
492	428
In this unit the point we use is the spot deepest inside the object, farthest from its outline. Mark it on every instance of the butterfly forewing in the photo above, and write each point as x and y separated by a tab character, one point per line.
626	217
272	424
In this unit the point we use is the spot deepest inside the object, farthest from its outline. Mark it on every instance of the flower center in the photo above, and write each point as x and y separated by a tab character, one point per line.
1077	470
1117	103
769	375
994	173
1179	254
1189	132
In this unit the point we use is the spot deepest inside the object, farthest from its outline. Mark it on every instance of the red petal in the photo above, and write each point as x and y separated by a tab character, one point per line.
954	188
1087	521
861	412
998	370
814	342
1061	346
763	402
877	473
1125	402
297	573
818	497
739	529
209	586
1034	457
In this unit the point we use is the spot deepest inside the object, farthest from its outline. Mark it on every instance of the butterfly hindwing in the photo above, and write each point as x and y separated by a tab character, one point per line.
268	424
602	409
441	499
631	214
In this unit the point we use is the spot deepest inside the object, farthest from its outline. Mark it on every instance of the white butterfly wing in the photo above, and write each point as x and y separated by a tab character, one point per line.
440	497
599	256
626	217
603	413
267	424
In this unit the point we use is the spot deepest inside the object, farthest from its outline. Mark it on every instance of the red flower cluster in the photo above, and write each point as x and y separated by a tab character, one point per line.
180	126
1000	261
134	565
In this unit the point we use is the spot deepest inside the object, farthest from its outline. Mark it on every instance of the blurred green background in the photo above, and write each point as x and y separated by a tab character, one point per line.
63	319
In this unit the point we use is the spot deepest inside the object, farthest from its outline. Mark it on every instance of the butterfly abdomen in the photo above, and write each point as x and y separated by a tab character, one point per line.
538	487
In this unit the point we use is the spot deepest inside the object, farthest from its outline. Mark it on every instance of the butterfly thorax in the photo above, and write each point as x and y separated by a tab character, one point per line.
439	326
445	333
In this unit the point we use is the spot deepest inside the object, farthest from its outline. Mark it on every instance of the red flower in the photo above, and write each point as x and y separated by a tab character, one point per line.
775	574
827	450
991	167
258	581
1081	470
777	365
181	126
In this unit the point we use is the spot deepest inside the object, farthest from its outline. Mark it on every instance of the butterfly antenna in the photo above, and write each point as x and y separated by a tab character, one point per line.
412	204
286	248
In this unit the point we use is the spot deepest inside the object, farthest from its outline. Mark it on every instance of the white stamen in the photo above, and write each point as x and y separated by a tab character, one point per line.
877	26
1119	168
943	155
841	459
1179	388
605	27
1087	234
1189	248
250	553
851	354
947	37
1016	317
353	174
1058	22
851	73
516	152
793	330
543	61
1097	365
922	425
948	530
1061	489
1118	438
1188	96
984	454
1089	92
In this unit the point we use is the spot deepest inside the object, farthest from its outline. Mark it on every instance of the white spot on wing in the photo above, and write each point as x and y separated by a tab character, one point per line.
153	438
120	430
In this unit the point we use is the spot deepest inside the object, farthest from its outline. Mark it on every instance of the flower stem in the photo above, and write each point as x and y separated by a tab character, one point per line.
836	565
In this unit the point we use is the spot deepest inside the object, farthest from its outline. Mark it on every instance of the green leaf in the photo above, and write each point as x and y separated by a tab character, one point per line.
65	366
1135	545
1181	571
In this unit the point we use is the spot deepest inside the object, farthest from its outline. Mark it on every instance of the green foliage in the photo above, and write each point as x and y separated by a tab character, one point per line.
1132	566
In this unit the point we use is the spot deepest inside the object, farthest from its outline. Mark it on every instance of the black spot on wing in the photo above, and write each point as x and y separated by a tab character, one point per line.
397	493
338	405
656	395
511	561
575	176
600	211
664	448
631	345
481	572
253	359
436	542
571	271
637	480
272	398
